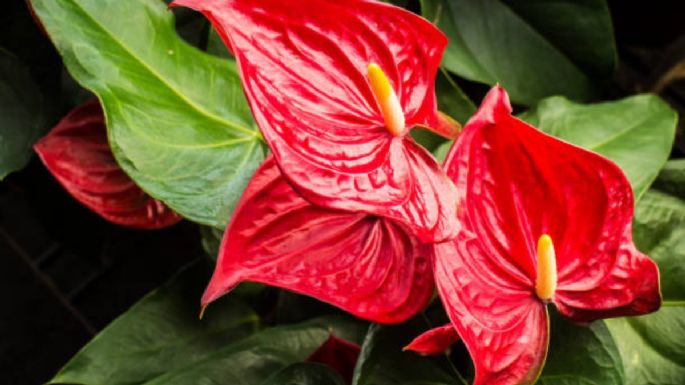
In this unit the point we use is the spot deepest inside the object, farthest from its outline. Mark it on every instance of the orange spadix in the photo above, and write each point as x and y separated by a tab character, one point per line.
546	281
387	100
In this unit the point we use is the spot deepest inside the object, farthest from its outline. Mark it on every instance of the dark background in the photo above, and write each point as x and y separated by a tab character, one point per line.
65	273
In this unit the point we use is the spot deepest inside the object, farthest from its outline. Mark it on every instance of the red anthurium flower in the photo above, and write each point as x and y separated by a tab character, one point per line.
338	354
335	86
77	153
543	222
434	341
363	264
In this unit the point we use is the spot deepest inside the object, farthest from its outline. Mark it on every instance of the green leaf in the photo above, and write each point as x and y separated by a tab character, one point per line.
533	48
581	355
451	98
159	334
160	340
305	374
254	359
453	102
23	117
178	121
659	229
382	361
672	178
636	132
210	237
652	347
215	45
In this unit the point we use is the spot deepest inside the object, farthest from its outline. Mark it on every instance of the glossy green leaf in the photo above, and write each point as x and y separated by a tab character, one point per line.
451	98
672	178
305	374
637	132
533	48
382	361
652	347
254	359
159	334
215	45
454	102
581	355
178	121
160	340
659	229
210	237
23	118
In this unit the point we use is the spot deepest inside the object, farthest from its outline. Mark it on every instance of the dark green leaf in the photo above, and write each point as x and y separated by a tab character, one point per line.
652	347
215	45
211	240
162	341
382	361
451	99
533	48
178	121
23	117
637	132
581	355
254	359
672	178
659	230
159	334
305	374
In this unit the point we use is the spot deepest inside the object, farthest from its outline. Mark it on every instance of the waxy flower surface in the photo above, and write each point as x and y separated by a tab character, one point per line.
78	155
366	265
335	87
543	222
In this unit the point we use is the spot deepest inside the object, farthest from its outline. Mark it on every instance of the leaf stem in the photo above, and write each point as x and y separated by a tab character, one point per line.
446	355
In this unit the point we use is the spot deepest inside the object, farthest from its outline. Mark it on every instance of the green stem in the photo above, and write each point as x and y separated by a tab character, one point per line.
447	356
672	303
456	371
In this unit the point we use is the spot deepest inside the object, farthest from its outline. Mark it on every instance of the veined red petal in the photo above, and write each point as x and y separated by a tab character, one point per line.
631	287
363	264
338	354
78	155
521	183
516	184
304	70
505	329
435	341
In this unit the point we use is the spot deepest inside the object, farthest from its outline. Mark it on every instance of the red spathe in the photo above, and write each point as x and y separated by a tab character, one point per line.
515	184
78	155
366	265
303	66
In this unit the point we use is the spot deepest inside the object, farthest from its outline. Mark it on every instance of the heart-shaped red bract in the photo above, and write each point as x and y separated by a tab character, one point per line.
78	155
515	184
366	265
303	66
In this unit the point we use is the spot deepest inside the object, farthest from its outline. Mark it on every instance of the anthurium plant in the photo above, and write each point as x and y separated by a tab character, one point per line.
411	232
